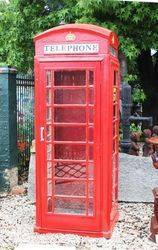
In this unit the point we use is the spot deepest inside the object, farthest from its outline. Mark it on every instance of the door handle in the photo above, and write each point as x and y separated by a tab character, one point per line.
41	133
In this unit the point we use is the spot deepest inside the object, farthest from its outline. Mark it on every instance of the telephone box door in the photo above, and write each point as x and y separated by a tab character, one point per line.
68	145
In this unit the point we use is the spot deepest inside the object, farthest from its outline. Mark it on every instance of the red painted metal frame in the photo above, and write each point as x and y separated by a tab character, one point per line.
106	70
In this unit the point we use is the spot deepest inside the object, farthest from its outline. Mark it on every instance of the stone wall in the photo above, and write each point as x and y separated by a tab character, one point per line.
137	178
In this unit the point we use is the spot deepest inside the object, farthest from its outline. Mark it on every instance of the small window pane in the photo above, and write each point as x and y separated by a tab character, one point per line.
71	152
91	134
91	78
91	207
49	188
48	113
48	132
91	115
70	170
70	206
71	188
70	115
70	133
91	152
91	170
70	96
48	78
49	204
49	152
70	78
91	95
48	96
91	189
49	169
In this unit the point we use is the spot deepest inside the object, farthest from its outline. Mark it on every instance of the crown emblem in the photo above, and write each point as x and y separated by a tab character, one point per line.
70	37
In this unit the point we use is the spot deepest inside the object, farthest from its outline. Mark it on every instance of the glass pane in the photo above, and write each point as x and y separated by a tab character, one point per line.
70	170
91	95
48	113
71	188
91	170
70	206
48	96
49	204
91	188
71	152
91	135
70	96
49	188
70	78
48	78
91	152
91	207
49	169
91	78
70	133
48	132
91	118
75	115
49	152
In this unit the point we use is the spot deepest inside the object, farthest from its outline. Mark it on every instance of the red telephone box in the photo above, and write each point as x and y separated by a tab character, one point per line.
77	130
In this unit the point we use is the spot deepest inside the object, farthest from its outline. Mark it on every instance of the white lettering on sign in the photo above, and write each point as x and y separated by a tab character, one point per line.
76	48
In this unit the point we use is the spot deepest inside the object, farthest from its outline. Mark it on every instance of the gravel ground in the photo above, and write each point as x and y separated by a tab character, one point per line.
131	232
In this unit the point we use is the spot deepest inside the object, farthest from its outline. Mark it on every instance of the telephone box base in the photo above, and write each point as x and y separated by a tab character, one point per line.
99	234
82	233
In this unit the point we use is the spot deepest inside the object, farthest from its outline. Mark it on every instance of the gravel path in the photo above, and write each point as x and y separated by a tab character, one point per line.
131	232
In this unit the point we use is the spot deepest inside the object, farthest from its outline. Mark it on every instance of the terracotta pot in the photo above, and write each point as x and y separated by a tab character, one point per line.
153	140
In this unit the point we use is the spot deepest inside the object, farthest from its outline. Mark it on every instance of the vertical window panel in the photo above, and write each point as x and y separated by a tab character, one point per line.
49	169
49	188
48	96
48	113
48	133
49	152
48	78
49	204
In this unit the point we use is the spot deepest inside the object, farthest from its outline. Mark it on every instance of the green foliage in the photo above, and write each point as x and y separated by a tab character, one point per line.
135	129
138	95
130	78
20	20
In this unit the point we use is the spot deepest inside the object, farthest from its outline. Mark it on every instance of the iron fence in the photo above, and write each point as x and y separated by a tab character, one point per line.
25	117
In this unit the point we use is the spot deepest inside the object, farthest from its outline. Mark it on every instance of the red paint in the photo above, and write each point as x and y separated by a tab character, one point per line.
77	130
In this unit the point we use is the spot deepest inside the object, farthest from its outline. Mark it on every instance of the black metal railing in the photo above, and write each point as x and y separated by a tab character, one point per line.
25	117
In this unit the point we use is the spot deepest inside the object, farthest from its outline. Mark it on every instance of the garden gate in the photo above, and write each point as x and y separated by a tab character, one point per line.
25	117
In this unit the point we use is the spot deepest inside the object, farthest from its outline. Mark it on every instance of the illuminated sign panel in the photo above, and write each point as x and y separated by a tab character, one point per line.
68	48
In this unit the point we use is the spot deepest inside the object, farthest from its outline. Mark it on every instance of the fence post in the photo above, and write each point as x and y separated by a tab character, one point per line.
8	129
